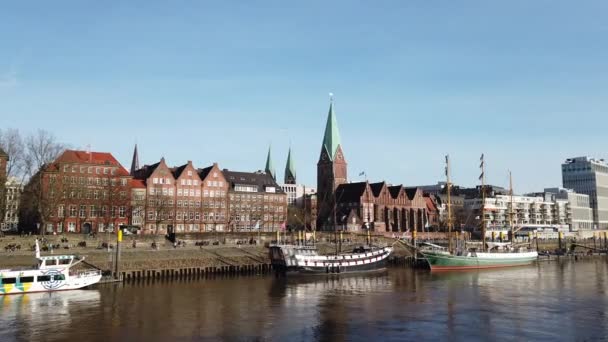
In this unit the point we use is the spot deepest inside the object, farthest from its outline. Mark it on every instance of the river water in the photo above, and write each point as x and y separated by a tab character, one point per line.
551	301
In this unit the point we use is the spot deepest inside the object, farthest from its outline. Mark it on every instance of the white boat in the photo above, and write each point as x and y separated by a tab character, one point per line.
306	259
51	273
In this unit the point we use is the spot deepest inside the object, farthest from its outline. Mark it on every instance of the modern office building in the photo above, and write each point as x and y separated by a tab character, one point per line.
589	176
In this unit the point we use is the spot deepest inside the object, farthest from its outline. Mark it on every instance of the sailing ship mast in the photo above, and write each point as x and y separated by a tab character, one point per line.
511	209
482	166
449	185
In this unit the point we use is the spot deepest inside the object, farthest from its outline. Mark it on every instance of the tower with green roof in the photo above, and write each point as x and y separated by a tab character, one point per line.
290	169
331	170
269	169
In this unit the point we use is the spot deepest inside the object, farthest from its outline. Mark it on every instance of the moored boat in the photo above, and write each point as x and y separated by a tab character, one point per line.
51	273
306	259
497	256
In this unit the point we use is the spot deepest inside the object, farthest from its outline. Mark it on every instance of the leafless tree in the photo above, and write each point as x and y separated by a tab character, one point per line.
40	149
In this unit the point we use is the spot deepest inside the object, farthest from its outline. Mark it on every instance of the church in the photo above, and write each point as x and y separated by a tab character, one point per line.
379	206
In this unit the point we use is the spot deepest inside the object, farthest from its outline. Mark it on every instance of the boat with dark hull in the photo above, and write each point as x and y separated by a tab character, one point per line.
306	260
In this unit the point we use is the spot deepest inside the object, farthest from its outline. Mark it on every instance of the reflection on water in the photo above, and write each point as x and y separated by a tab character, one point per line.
36	315
549	301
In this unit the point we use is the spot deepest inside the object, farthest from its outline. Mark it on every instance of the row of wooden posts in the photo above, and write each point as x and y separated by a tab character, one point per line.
194	272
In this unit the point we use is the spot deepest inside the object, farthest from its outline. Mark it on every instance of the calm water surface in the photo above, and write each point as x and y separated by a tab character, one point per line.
556	301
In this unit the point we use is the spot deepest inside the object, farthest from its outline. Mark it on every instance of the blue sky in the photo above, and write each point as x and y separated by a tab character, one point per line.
525	82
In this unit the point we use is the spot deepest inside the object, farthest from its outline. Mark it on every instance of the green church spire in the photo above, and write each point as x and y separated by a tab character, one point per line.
331	140
290	169
269	167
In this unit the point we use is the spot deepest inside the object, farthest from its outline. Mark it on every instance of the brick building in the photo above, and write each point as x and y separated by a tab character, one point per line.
80	191
187	199
355	206
256	200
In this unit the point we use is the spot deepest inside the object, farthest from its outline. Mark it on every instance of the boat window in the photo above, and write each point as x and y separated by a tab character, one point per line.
59	277
26	279
44	278
9	280
64	261
51	262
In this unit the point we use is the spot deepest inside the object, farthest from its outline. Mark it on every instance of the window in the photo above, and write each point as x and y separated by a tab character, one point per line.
198	193
59	277
105	170
26	279
155	180
171	192
194	182
44	278
192	192
150	215
179	215
209	183
220	183
121	211
93	211
9	280
205	193
183	182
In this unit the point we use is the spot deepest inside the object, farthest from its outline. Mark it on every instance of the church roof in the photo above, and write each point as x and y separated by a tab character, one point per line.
269	166
135	161
331	139
395	190
376	188
290	168
350	192
411	192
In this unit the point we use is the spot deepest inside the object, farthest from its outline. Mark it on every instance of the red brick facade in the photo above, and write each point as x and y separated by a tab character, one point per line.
380	207
84	192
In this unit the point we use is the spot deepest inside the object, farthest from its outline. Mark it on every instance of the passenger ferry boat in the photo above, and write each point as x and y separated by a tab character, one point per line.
306	259
52	273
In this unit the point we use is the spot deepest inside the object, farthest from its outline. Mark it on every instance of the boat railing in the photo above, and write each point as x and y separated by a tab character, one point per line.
87	274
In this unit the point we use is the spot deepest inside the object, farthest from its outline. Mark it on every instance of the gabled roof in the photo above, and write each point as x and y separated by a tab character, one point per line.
376	188
350	192
94	158
2	153
138	183
411	192
395	190
146	171
178	170
331	139
259	179
430	203
203	173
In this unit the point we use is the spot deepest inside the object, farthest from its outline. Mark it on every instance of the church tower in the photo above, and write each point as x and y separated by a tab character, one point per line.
269	169
331	171
134	162
290	170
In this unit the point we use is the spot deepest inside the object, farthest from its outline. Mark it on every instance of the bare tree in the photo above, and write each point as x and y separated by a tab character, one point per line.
42	198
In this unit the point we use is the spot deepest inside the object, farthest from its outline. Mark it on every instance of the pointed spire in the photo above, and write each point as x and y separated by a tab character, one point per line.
135	162
269	167
331	139
290	169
